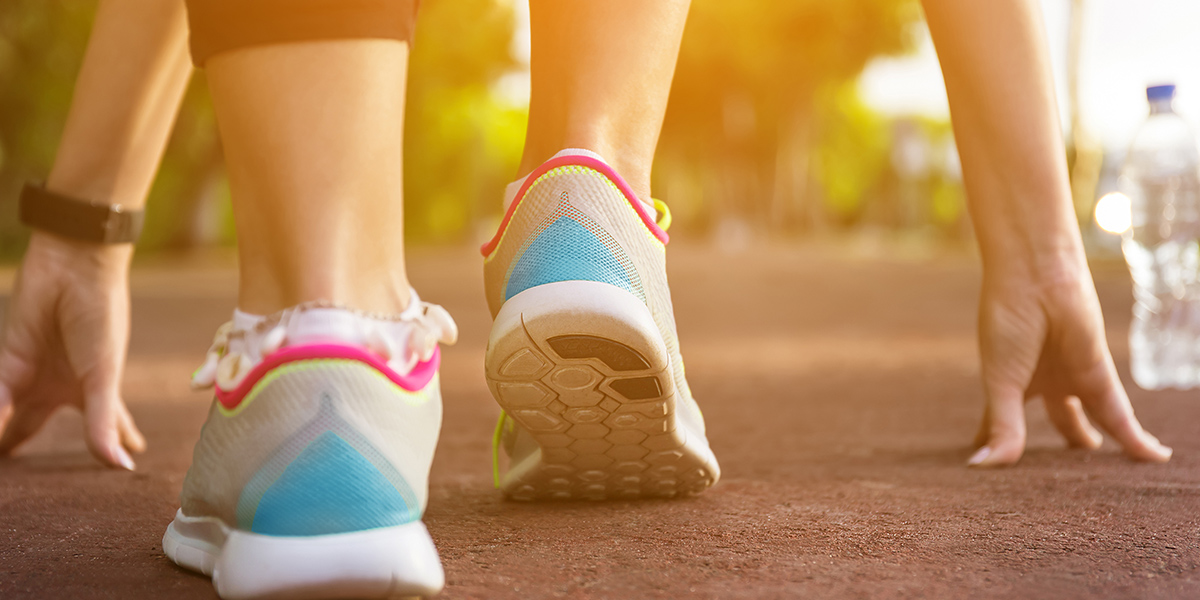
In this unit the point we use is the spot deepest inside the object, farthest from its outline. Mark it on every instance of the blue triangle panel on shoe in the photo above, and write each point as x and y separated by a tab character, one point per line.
330	488
566	251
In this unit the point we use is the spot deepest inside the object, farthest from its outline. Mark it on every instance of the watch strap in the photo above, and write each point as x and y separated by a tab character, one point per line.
77	218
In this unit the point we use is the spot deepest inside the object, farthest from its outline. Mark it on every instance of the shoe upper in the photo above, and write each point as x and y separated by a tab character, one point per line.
325	421
576	219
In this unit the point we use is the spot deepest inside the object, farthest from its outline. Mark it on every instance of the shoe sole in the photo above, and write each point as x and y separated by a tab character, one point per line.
582	367
378	563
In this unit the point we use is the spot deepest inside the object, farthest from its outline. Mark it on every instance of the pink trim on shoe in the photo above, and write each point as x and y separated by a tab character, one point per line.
643	211
415	381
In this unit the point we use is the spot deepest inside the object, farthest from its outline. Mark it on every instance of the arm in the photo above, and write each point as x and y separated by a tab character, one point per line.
67	327
1041	333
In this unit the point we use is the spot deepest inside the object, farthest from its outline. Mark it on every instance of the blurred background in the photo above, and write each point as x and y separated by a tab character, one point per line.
795	119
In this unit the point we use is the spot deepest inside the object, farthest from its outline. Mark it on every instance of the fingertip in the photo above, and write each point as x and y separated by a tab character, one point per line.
1152	451
1141	445
122	459
989	457
996	454
1091	439
131	436
979	456
5	404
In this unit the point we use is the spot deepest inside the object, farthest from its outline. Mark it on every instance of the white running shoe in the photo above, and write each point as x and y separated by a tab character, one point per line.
583	356
311	474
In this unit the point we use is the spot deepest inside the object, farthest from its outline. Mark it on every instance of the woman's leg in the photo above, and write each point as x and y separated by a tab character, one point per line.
317	456
583	344
601	73
313	134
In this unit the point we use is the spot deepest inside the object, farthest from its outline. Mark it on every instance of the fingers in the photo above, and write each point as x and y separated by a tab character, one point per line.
1005	426
131	437
6	407
23	423
1066	413
1108	405
985	427
102	415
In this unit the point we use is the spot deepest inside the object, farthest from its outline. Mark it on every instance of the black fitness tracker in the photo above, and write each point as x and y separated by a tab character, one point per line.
78	219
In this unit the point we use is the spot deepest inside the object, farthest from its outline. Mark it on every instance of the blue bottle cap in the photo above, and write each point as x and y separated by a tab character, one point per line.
1160	92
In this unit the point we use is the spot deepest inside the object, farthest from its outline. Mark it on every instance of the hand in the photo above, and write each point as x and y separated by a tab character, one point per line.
64	343
1046	339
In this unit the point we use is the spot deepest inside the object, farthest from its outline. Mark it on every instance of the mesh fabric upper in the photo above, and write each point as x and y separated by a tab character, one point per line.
577	190
379	431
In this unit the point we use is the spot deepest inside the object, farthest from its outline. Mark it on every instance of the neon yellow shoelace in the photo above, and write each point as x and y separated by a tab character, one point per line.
664	214
496	448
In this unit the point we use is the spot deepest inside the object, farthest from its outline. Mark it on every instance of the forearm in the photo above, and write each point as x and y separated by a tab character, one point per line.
995	62
133	77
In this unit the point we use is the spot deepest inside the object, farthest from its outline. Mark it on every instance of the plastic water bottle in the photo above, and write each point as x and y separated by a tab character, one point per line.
1161	176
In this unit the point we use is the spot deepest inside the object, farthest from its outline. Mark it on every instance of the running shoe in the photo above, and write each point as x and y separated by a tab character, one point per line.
311	474
583	356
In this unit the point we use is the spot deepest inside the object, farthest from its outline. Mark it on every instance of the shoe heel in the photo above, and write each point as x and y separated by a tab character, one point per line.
581	366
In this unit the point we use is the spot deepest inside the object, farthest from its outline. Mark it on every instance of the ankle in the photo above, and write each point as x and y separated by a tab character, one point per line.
264	293
633	167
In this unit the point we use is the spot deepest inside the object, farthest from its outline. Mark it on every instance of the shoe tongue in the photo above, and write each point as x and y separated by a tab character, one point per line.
313	325
329	326
510	190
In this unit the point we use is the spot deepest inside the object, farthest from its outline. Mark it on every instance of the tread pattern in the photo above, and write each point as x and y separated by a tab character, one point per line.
603	417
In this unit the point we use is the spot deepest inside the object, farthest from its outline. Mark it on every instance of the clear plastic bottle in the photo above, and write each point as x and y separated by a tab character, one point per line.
1161	176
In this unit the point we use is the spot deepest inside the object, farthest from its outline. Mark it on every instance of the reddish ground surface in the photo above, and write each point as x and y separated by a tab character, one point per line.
840	395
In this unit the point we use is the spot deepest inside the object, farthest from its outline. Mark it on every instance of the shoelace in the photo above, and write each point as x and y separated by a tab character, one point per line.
504	424
663	218
430	324
496	441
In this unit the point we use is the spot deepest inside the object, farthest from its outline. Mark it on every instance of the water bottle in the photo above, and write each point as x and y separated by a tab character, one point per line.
1161	177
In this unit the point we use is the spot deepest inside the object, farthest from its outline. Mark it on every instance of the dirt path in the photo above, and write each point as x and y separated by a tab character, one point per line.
840	395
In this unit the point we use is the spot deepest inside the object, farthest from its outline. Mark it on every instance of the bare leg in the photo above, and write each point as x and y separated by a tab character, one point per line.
601	75
313	136
125	100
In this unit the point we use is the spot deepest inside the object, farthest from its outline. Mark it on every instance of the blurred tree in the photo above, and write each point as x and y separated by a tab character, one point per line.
748	109
462	143
41	48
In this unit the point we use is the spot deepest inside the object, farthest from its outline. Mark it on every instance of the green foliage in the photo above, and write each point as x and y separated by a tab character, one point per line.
462	144
41	47
761	101
751	89
852	151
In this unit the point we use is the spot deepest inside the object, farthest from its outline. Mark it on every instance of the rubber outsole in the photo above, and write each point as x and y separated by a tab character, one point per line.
389	562
582	367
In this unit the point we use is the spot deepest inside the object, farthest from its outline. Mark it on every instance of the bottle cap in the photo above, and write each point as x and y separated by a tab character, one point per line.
1160	92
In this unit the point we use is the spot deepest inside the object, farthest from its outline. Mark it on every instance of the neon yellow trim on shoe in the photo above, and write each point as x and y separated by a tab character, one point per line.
496	448
664	214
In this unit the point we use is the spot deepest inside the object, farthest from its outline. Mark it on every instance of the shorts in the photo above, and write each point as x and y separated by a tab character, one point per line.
221	25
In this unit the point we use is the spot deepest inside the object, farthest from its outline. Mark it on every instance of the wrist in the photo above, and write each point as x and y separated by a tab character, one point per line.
1028	235
74	254
1035	267
78	218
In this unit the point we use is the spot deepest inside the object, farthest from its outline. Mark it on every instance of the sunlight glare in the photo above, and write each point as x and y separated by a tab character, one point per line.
1114	213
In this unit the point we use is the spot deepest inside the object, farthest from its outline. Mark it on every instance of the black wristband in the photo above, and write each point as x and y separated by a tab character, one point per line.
78	219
